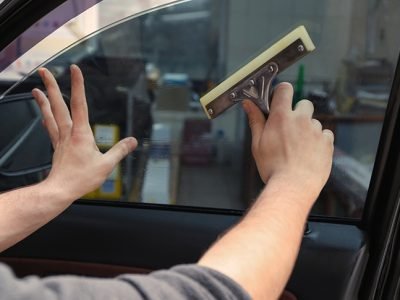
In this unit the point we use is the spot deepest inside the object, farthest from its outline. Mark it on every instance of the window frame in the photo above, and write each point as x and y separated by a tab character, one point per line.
381	217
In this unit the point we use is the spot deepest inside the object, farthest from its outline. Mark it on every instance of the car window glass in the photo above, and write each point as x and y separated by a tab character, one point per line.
41	29
144	76
56	32
15	117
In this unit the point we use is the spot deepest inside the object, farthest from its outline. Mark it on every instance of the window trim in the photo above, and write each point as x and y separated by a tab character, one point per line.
16	16
382	208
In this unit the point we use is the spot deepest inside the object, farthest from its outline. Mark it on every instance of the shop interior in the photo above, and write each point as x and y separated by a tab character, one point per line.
194	46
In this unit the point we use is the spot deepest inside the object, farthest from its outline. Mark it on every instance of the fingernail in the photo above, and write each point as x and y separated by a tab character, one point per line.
134	141
73	66
36	95
36	92
44	73
41	72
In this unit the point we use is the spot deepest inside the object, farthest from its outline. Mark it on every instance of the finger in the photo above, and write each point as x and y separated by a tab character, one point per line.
256	119
58	106
120	150
317	124
79	108
329	135
282	97
48	118
305	107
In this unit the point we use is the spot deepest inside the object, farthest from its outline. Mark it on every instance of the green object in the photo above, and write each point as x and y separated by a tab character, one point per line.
299	86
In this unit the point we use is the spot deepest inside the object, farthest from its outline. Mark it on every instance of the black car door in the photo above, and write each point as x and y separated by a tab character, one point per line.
191	179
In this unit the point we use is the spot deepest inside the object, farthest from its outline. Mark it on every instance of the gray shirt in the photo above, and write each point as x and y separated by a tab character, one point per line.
181	282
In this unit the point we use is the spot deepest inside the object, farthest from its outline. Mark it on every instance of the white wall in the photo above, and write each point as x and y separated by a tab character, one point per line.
253	25
384	40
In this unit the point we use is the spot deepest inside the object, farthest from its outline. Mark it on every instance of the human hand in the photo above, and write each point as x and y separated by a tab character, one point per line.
290	144
78	166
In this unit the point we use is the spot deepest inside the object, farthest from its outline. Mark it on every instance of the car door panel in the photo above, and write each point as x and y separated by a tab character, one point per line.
98	240
45	267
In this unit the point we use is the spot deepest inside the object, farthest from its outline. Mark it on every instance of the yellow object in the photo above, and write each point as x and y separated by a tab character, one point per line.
106	136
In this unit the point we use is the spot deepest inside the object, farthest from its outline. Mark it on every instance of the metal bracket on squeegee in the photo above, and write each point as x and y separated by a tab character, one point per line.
257	88
253	81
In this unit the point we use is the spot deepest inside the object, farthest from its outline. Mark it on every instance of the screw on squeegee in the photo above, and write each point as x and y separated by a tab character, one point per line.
252	82
300	48
210	112
232	95
271	69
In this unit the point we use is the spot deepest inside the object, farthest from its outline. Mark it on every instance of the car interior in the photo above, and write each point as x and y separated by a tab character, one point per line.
146	64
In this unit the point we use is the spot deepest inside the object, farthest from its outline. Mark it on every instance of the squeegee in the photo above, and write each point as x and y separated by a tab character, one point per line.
253	81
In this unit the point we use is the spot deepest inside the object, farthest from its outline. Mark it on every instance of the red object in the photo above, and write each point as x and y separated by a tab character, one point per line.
197	147
287	296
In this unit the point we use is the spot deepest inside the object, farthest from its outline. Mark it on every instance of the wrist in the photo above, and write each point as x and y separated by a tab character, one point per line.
300	181
292	189
55	192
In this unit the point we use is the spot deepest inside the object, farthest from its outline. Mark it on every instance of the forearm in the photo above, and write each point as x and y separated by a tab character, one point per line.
260	252
24	210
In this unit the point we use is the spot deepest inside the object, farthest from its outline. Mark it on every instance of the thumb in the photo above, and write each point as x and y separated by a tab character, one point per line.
120	150
256	119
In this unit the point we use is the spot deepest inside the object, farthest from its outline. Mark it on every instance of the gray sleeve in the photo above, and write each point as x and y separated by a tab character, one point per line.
179	283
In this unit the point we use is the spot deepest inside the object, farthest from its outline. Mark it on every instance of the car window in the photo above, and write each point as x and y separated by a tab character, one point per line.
145	71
